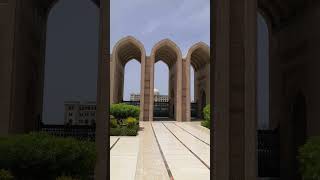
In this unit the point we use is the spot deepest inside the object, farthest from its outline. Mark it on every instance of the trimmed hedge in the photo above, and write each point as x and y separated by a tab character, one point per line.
124	131
130	127
206	114
131	122
5	175
41	156
113	123
123	120
309	157
122	111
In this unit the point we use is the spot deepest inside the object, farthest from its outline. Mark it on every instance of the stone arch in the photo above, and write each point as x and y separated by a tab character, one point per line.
167	51
199	58
126	49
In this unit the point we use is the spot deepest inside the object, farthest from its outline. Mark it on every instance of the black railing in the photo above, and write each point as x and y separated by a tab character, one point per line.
194	110
134	103
78	132
161	109
268	153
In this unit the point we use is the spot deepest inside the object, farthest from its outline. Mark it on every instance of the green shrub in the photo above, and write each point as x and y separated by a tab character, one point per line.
5	175
131	132
131	122
41	156
206	124
206	114
309	157
115	131
123	111
113	123
124	131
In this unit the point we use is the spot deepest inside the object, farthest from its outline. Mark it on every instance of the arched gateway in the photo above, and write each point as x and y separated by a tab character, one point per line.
179	71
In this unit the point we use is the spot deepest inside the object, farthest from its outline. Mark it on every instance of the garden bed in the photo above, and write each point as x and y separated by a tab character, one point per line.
42	156
124	131
123	120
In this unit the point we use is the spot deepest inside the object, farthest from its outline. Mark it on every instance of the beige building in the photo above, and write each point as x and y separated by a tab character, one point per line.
157	97
134	97
79	113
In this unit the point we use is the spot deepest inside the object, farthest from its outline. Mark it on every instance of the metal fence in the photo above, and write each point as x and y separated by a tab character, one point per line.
161	109
78	132
268	145
268	153
194	110
134	103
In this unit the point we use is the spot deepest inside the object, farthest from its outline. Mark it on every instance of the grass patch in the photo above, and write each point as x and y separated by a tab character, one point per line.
124	131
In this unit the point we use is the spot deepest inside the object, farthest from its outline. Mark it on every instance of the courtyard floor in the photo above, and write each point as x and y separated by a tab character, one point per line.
163	150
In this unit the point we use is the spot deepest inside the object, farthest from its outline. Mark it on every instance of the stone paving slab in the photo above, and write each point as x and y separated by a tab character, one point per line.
140	158
123	158
113	140
182	163
201	149
150	163
196	129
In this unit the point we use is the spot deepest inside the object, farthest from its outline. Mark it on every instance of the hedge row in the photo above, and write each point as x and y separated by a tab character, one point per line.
309	156
206	113
128	127
41	156
123	111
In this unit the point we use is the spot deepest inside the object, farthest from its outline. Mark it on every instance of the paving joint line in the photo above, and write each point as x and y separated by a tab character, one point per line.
187	148
162	155
192	134
114	143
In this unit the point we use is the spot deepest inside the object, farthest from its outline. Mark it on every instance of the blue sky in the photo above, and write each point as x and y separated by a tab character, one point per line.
186	22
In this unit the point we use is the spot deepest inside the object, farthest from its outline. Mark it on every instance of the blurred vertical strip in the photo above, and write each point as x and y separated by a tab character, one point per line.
102	171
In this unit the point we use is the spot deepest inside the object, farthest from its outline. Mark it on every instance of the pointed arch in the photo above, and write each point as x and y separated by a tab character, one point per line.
126	49
167	51
198	57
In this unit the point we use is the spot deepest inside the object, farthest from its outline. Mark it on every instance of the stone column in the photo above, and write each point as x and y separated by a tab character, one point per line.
7	20
235	89
142	87
178	93
102	170
187	93
151	89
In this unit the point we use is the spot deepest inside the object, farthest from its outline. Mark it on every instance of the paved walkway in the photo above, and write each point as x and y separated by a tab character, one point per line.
163	150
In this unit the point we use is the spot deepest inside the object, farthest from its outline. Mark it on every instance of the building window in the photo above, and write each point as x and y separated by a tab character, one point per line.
70	113
86	121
